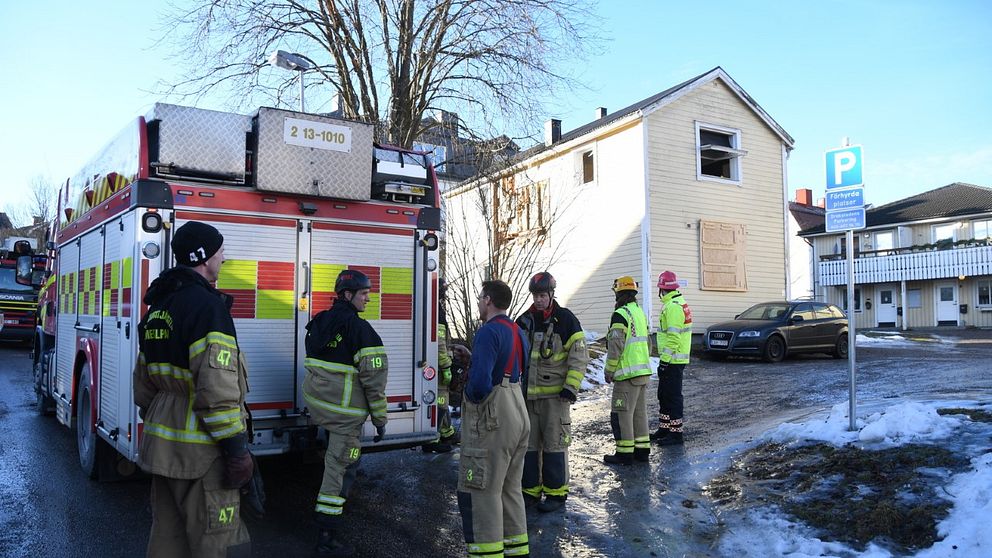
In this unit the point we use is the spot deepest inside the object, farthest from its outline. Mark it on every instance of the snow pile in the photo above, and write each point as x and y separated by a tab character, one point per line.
767	532
899	424
882	340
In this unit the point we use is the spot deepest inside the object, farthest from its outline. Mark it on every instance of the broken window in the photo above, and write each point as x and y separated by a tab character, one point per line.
718	152
522	209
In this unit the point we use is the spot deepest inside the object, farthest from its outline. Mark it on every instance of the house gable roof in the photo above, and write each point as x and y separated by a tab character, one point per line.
659	101
645	107
807	216
954	200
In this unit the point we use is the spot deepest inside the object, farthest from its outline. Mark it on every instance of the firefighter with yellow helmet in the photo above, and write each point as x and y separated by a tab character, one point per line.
628	365
558	360
674	343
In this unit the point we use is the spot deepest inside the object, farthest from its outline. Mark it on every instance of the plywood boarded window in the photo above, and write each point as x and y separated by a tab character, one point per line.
722	250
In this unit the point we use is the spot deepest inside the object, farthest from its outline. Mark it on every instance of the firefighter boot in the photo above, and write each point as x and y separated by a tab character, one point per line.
619	459
454	439
436	447
641	454
660	434
328	546
551	503
673	439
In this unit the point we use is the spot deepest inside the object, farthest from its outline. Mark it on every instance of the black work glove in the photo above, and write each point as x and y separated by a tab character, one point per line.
253	495
566	394
238	465
662	366
380	431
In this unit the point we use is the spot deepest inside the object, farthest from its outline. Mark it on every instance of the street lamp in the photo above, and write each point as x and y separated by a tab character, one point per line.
291	61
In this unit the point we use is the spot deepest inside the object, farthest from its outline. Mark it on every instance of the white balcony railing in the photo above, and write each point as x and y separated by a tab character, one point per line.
912	266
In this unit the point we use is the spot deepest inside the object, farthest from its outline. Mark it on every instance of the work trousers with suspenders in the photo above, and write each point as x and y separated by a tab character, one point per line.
494	441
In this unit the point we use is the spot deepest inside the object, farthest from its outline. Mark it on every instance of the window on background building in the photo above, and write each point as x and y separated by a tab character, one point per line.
588	167
914	298
981	229
857	298
885	240
985	292
718	153
843	246
946	231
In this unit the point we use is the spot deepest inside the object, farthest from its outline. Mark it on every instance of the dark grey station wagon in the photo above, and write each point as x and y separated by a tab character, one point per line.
771	330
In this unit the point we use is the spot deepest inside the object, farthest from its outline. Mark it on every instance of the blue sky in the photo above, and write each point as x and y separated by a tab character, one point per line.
911	81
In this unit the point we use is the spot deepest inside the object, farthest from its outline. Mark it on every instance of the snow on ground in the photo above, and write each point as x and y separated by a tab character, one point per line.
766	532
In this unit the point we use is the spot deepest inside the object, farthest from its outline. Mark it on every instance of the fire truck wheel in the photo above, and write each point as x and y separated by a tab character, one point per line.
46	405
87	441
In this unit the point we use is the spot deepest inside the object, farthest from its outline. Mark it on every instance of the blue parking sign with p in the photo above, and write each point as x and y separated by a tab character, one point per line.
844	167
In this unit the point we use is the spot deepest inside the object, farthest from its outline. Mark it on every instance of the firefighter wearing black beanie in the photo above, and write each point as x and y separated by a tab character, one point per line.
195	242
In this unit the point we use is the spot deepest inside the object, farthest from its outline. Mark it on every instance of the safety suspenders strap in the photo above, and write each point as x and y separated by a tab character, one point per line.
517	351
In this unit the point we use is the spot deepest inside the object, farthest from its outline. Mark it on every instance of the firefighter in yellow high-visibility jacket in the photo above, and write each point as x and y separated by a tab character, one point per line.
628	365
674	343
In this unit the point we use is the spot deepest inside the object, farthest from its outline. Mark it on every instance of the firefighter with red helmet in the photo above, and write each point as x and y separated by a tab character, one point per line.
345	383
628	365
558	360
190	382
674	343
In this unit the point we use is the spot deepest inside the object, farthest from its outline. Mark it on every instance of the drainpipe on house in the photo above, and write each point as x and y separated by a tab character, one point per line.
902	304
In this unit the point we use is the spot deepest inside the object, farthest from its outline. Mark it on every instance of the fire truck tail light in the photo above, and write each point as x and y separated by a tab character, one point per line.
429	373
151	222
430	241
429	397
431	264
151	250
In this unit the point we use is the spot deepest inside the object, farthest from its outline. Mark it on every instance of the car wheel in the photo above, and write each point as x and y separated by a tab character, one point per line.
774	349
840	348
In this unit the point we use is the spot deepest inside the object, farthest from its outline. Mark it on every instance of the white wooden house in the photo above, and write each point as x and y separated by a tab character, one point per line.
922	261
692	180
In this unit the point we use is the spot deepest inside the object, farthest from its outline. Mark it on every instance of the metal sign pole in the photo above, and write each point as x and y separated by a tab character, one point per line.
851	333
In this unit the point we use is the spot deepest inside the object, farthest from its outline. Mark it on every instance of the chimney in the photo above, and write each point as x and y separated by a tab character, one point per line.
552	131
335	107
804	196
600	112
445	118
821	203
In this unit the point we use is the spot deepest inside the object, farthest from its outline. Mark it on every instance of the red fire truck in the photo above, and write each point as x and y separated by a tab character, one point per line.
298	197
21	270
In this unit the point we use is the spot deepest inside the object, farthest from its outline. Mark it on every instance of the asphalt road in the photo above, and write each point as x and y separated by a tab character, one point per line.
403	502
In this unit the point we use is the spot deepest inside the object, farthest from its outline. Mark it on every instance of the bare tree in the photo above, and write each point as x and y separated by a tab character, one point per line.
390	62
40	203
516	217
